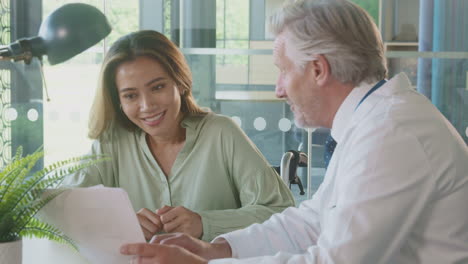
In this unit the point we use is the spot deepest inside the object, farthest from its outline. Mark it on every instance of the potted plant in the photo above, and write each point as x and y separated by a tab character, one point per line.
23	193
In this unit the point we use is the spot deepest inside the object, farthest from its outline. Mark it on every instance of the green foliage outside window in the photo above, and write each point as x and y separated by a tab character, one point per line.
232	26
232	29
371	6
122	16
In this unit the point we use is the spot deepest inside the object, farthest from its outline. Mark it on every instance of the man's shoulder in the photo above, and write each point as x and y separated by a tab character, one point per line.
402	120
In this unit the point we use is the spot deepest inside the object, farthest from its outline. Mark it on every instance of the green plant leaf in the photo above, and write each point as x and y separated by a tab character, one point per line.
39	229
22	195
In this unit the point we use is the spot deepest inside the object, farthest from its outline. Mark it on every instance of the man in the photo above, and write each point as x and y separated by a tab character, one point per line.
396	187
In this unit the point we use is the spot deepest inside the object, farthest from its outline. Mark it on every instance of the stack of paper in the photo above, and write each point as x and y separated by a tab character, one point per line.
98	219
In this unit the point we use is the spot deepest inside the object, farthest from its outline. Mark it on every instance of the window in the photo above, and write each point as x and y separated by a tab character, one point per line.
72	84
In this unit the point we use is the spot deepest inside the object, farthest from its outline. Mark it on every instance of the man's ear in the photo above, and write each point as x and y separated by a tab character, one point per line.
320	69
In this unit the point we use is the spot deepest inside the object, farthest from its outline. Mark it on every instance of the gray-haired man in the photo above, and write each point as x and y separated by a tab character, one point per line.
396	188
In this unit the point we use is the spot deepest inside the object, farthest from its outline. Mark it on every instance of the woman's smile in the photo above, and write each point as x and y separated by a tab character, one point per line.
154	120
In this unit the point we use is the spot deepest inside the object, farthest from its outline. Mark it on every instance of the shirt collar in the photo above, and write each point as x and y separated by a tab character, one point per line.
192	121
347	108
189	122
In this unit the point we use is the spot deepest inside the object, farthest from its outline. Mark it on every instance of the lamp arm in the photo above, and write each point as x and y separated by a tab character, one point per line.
23	49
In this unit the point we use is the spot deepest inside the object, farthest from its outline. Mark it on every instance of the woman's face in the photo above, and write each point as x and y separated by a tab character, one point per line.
149	97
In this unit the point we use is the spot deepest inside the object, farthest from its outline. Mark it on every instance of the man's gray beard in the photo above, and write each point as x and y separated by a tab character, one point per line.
298	124
303	126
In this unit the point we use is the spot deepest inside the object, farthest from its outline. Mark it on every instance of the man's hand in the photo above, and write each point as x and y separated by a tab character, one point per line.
181	219
218	249
160	254
150	223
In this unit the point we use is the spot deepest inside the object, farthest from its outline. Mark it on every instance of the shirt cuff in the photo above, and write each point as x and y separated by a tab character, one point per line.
206	235
234	250
236	240
217	223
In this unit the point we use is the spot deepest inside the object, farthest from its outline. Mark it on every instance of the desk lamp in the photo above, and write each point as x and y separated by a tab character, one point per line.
66	32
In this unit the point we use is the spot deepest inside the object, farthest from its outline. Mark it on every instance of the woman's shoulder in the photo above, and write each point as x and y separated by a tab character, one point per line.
213	121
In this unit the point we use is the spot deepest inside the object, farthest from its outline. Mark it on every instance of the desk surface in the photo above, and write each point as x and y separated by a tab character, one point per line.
41	251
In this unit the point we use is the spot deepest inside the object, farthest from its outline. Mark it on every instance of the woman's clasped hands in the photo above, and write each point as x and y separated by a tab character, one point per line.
170	220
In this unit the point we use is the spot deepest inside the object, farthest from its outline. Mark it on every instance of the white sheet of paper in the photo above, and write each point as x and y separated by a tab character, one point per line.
99	219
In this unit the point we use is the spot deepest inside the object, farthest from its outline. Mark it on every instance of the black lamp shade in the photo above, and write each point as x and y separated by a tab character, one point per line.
71	29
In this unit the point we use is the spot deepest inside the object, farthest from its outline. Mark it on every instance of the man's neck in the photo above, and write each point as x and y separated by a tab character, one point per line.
337	94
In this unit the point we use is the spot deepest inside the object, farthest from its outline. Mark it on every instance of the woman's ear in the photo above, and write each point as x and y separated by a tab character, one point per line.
320	69
181	91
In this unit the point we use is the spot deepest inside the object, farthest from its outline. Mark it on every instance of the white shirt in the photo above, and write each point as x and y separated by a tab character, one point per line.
396	191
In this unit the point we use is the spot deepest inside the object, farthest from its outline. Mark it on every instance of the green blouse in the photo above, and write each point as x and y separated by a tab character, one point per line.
219	173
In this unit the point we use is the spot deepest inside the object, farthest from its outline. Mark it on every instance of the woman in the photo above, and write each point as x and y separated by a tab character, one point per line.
202	172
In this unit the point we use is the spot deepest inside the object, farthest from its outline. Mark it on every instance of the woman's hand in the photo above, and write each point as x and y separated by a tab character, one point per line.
219	248
180	219
177	248
150	223
160	254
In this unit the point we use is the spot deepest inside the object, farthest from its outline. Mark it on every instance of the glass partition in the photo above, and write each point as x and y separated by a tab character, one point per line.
7	114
